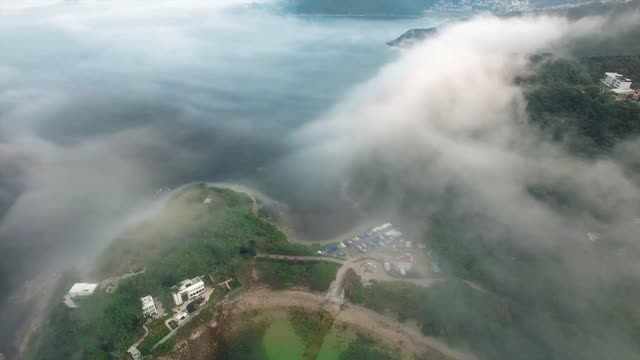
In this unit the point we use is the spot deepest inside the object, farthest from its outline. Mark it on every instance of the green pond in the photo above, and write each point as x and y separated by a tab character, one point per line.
280	340
336	342
287	334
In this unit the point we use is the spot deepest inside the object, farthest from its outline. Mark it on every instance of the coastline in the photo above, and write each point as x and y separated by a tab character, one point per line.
382	328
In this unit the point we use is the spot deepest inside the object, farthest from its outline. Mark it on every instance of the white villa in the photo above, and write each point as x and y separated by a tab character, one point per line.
149	306
188	289
618	83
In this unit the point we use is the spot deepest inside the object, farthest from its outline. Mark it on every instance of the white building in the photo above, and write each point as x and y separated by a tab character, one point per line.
393	233
69	302
188	289
179	316
404	263
149	306
618	83
135	353
381	227
82	289
78	289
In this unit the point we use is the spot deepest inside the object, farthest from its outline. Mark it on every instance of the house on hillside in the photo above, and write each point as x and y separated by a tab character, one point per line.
149	306
618	84
78	289
187	290
82	289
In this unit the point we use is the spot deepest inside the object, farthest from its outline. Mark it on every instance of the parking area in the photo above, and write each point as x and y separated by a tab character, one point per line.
364	242
395	255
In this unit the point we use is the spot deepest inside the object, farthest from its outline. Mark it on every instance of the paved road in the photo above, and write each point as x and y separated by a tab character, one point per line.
335	294
115	280
301	258
146	333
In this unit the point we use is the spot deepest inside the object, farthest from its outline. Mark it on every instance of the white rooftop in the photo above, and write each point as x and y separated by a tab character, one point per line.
80	289
189	283
147	301
616	75
623	91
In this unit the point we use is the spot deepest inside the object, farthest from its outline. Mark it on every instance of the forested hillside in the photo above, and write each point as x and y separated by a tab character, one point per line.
567	101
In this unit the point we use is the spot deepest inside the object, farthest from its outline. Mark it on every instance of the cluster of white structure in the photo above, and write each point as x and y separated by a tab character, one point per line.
402	264
188	289
149	307
381	227
618	83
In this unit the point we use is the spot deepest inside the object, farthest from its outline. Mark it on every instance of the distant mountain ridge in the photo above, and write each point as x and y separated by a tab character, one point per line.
412	36
401	7
361	7
418	7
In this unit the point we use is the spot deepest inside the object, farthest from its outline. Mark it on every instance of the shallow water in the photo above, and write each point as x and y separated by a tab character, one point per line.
280	340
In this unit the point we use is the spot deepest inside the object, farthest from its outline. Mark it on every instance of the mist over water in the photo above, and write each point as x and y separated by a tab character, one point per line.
102	103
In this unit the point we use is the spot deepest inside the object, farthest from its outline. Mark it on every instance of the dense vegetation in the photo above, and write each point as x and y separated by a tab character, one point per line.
466	317
282	275
100	325
567	102
518	301
535	305
189	238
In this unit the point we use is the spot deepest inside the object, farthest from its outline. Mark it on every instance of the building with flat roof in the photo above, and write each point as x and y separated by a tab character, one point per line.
617	83
188	289
82	289
149	306
135	353
78	289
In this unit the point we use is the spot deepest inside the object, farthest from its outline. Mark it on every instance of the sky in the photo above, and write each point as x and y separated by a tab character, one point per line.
102	103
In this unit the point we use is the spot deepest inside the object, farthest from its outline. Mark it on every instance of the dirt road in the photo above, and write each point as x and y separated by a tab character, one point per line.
382	327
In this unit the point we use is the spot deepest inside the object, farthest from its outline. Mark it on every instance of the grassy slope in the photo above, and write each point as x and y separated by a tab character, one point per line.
281	275
188	239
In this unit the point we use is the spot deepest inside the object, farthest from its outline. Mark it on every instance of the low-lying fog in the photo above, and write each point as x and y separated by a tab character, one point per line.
104	102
